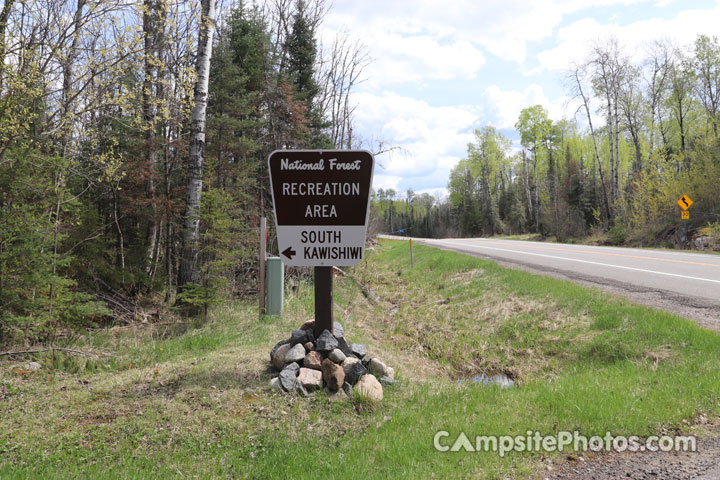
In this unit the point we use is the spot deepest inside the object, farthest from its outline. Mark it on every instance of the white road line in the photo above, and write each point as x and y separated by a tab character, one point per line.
576	260
706	256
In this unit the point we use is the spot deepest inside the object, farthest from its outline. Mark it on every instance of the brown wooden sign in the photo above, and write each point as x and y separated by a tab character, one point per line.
321	200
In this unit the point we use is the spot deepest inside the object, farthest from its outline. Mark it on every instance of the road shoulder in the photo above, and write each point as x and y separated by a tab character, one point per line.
705	312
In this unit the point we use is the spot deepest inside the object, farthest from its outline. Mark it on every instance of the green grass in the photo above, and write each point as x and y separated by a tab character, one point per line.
194	401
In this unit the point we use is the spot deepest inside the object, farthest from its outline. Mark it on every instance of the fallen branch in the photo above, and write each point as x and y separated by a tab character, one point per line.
57	349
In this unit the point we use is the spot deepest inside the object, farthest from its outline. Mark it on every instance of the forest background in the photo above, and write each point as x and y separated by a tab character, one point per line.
134	138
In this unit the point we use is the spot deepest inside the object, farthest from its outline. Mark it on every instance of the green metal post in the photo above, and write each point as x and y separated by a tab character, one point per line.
275	285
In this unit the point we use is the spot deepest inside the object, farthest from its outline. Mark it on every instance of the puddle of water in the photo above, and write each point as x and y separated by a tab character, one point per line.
503	381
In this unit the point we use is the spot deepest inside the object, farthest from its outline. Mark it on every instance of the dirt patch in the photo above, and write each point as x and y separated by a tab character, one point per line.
704	464
96	419
153	388
658	355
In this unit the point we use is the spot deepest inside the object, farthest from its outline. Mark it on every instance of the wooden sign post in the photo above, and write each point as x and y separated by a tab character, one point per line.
261	263
321	201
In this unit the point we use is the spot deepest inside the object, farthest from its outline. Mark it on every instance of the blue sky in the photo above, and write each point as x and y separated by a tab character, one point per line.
442	69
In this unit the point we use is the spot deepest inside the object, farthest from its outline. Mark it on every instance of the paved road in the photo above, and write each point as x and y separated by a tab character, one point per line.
683	282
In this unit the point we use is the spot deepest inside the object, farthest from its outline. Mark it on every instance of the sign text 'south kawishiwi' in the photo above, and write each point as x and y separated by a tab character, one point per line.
321	201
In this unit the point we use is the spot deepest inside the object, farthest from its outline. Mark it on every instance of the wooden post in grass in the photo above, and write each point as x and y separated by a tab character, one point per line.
323	300
261	265
412	263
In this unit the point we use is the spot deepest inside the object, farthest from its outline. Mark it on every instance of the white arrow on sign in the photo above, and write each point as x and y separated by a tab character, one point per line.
339	246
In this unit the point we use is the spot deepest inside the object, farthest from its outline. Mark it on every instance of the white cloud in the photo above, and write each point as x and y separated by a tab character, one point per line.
439	39
507	104
406	53
431	139
416	58
576	39
385	181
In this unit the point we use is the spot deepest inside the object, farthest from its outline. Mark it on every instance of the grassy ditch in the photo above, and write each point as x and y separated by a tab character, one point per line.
195	402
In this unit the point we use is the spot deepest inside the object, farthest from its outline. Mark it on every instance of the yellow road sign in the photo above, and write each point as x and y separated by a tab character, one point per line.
685	202
685	215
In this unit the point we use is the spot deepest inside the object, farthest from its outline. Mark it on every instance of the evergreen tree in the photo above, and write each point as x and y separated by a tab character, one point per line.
302	53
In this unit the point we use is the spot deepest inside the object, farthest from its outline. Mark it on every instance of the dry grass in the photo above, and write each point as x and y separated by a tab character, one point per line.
458	323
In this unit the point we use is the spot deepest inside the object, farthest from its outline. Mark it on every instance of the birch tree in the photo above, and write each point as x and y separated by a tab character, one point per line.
191	232
534	126
576	77
657	65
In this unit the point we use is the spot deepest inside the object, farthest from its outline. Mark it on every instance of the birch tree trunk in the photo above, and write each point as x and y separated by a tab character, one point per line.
150	33
191	231
586	105
526	184
537	192
616	178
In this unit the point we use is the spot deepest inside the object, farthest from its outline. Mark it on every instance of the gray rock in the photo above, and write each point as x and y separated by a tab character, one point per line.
349	362
300	389
295	354
358	349
326	342
278	358
288	376
277	345
347	388
337	356
369	387
309	347
389	381
299	336
377	367
367	359
354	372
33	366
343	346
338	330
275	383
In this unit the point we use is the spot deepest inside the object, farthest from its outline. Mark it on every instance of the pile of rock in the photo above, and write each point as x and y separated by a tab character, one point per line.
706	242
328	362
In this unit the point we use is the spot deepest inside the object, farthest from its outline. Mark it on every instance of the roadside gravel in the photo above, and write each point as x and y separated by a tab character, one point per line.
704	464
